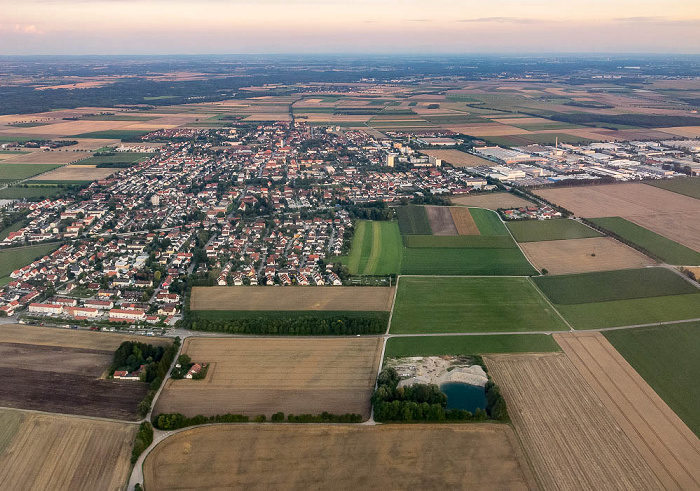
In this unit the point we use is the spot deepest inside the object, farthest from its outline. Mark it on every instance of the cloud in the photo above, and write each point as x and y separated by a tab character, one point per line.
21	29
502	20
639	19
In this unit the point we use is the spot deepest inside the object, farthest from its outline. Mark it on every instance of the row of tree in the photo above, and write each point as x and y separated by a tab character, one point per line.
174	421
307	325
161	370
143	440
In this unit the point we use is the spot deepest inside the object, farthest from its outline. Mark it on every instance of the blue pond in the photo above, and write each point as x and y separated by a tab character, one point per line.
464	396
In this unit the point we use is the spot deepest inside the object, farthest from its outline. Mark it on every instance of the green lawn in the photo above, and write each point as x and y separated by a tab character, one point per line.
16	192
541	230
117	158
668	358
464	241
469	345
488	222
376	249
14	172
112	134
669	251
632	312
463	261
413	220
688	186
437	305
15	258
605	286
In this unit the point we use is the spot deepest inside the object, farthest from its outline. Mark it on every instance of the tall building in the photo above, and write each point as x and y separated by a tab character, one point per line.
391	159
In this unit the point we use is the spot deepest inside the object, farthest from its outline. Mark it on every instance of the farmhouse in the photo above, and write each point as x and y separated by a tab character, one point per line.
125	375
196	368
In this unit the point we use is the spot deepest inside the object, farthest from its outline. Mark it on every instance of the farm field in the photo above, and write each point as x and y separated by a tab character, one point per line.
667	358
399	347
542	230
292	298
376	249
18	192
42	451
437	305
488	222
457	158
76	173
688	186
413	220
264	376
669	447
297	457
666	249
117	158
583	255
571	441
112	134
492	201
463	241
464	221
465	261
18	257
440	219
15	172
613	285
667	213
631	312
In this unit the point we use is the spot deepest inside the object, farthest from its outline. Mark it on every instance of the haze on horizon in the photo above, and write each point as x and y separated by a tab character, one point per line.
74	27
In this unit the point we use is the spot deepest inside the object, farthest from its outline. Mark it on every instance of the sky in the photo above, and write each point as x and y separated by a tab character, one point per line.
81	27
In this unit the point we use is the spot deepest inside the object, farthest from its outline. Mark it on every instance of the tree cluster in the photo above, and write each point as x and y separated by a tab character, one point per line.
131	355
143	440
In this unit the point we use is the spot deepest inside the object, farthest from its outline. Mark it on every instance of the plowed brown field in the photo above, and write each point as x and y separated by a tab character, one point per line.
295	298
463	220
583	255
666	443
441	220
264	376
294	457
571	439
669	214
63	453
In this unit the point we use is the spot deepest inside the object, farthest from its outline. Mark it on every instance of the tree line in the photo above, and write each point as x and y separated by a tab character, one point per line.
426	402
161	370
174	421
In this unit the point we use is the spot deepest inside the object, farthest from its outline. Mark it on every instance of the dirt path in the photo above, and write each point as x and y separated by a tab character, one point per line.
665	442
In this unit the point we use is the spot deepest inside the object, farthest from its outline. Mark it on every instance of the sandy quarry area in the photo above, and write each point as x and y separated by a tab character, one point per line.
438	370
292	298
669	214
342	457
571	439
670	448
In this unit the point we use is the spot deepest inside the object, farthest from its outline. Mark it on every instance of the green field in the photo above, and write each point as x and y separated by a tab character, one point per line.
116	117
15	258
668	358
117	158
460	241
541	230
469	345
437	305
55	182
669	251
688	186
31	125
112	134
488	222
459	261
607	286
12	228
413	220
376	249
15	172
18	192
632	312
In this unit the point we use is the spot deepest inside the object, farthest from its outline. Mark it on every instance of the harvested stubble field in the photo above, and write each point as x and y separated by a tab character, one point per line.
492	201
571	440
583	255
667	213
458	158
665	442
292	298
542	230
61	371
463	221
475	456
440	219
41	451
78	173
264	376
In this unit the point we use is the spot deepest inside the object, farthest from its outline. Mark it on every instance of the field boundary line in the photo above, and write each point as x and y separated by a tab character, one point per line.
393	303
529	279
